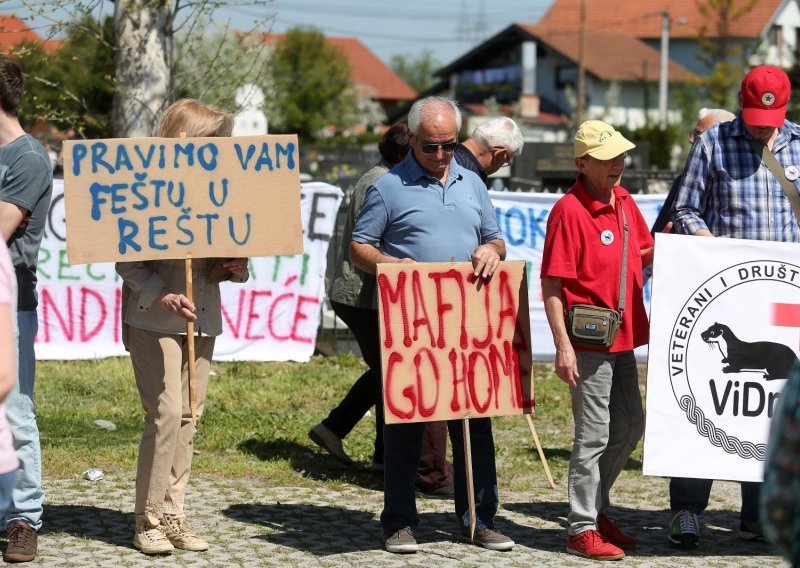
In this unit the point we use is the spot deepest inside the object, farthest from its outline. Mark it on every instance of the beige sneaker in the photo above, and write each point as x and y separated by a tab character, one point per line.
181	534
150	537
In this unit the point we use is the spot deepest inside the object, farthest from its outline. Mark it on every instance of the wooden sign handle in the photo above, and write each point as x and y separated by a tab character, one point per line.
190	340
541	452
470	480
190	337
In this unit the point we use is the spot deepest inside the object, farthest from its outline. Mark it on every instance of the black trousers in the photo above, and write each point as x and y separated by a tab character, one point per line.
366	391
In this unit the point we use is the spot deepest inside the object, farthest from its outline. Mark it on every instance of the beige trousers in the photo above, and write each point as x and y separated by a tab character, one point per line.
160	364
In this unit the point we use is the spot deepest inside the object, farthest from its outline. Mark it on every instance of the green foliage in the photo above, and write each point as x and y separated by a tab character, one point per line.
417	72
661	141
793	110
723	57
72	88
312	84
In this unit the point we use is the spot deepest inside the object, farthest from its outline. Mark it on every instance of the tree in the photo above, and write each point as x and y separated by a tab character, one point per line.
71	88
228	60
416	72
312	84
144	63
723	57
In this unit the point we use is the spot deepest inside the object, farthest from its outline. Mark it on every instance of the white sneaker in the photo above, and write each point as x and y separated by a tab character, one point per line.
181	534
150	537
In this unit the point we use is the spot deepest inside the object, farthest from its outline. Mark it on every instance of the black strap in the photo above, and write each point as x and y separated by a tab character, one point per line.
775	167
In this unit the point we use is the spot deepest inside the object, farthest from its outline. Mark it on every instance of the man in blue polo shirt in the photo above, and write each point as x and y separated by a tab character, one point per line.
430	209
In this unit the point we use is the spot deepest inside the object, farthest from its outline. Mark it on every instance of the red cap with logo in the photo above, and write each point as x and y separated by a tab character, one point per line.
765	95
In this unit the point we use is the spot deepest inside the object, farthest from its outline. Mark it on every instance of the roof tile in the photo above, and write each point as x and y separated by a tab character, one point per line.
642	18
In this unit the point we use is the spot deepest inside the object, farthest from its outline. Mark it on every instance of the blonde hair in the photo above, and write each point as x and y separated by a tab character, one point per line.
194	119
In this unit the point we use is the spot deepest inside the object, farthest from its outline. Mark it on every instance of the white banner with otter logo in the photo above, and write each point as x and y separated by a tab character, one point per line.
725	331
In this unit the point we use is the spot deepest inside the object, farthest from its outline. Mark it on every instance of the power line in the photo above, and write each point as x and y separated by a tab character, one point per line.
361	12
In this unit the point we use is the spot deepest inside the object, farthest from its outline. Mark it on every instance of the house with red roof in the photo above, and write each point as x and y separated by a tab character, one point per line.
14	32
767	32
531	70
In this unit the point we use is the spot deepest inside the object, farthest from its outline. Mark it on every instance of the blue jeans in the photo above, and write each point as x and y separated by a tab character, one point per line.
692	494
28	496
609	422
402	443
6	490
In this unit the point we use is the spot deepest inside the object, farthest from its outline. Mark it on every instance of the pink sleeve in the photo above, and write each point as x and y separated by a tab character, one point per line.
8	282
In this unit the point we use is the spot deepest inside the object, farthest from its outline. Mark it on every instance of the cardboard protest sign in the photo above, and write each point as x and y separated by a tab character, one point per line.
725	330
452	346
158	198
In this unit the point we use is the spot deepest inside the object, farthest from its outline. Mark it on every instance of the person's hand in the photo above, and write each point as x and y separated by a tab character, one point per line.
178	305
567	365
236	266
485	261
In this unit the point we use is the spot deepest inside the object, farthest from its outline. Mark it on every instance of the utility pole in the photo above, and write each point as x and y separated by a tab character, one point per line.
581	87
663	78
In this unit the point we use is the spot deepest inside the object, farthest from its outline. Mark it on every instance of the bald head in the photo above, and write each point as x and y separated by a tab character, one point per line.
707	117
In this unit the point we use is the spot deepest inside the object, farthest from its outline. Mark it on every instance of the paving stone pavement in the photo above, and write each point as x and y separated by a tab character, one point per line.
249	523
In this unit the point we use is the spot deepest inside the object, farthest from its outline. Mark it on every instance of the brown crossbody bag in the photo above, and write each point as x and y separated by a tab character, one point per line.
593	327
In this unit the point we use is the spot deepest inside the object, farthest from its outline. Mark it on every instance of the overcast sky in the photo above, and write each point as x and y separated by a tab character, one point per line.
449	28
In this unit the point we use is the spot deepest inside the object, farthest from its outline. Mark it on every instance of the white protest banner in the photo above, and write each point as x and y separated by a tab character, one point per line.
453	347
725	329
131	199
272	317
523	220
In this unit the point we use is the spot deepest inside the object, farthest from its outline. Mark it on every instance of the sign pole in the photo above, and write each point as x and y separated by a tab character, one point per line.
541	452
190	339
470	481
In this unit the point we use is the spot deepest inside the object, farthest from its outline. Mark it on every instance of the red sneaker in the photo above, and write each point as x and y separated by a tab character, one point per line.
612	534
590	544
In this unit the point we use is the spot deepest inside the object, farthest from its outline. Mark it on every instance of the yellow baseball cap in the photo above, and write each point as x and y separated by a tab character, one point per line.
599	140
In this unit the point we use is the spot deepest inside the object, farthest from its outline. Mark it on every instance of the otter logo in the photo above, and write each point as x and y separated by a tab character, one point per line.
605	135
725	382
776	359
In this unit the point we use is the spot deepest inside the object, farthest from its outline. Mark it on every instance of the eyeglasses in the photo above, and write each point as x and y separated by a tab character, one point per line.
430	148
508	158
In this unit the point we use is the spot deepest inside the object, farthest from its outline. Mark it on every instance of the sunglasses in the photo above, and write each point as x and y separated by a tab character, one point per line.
508	158
433	148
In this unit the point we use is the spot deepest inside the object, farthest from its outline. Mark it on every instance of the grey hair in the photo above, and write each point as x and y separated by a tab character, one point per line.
500	132
427	107
720	114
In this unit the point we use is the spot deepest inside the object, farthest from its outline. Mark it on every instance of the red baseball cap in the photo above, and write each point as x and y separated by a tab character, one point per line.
765	94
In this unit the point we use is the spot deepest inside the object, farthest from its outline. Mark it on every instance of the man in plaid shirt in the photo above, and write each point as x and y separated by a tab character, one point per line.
728	192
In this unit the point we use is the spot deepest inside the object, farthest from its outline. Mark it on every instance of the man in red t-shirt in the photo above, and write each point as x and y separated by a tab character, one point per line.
582	264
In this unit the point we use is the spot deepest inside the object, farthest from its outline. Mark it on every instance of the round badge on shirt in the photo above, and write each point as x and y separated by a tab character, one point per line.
791	172
607	237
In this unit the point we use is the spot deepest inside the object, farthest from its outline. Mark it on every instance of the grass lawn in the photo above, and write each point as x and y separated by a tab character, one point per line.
256	422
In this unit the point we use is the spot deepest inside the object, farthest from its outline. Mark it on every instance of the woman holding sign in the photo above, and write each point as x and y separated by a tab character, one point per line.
154	315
